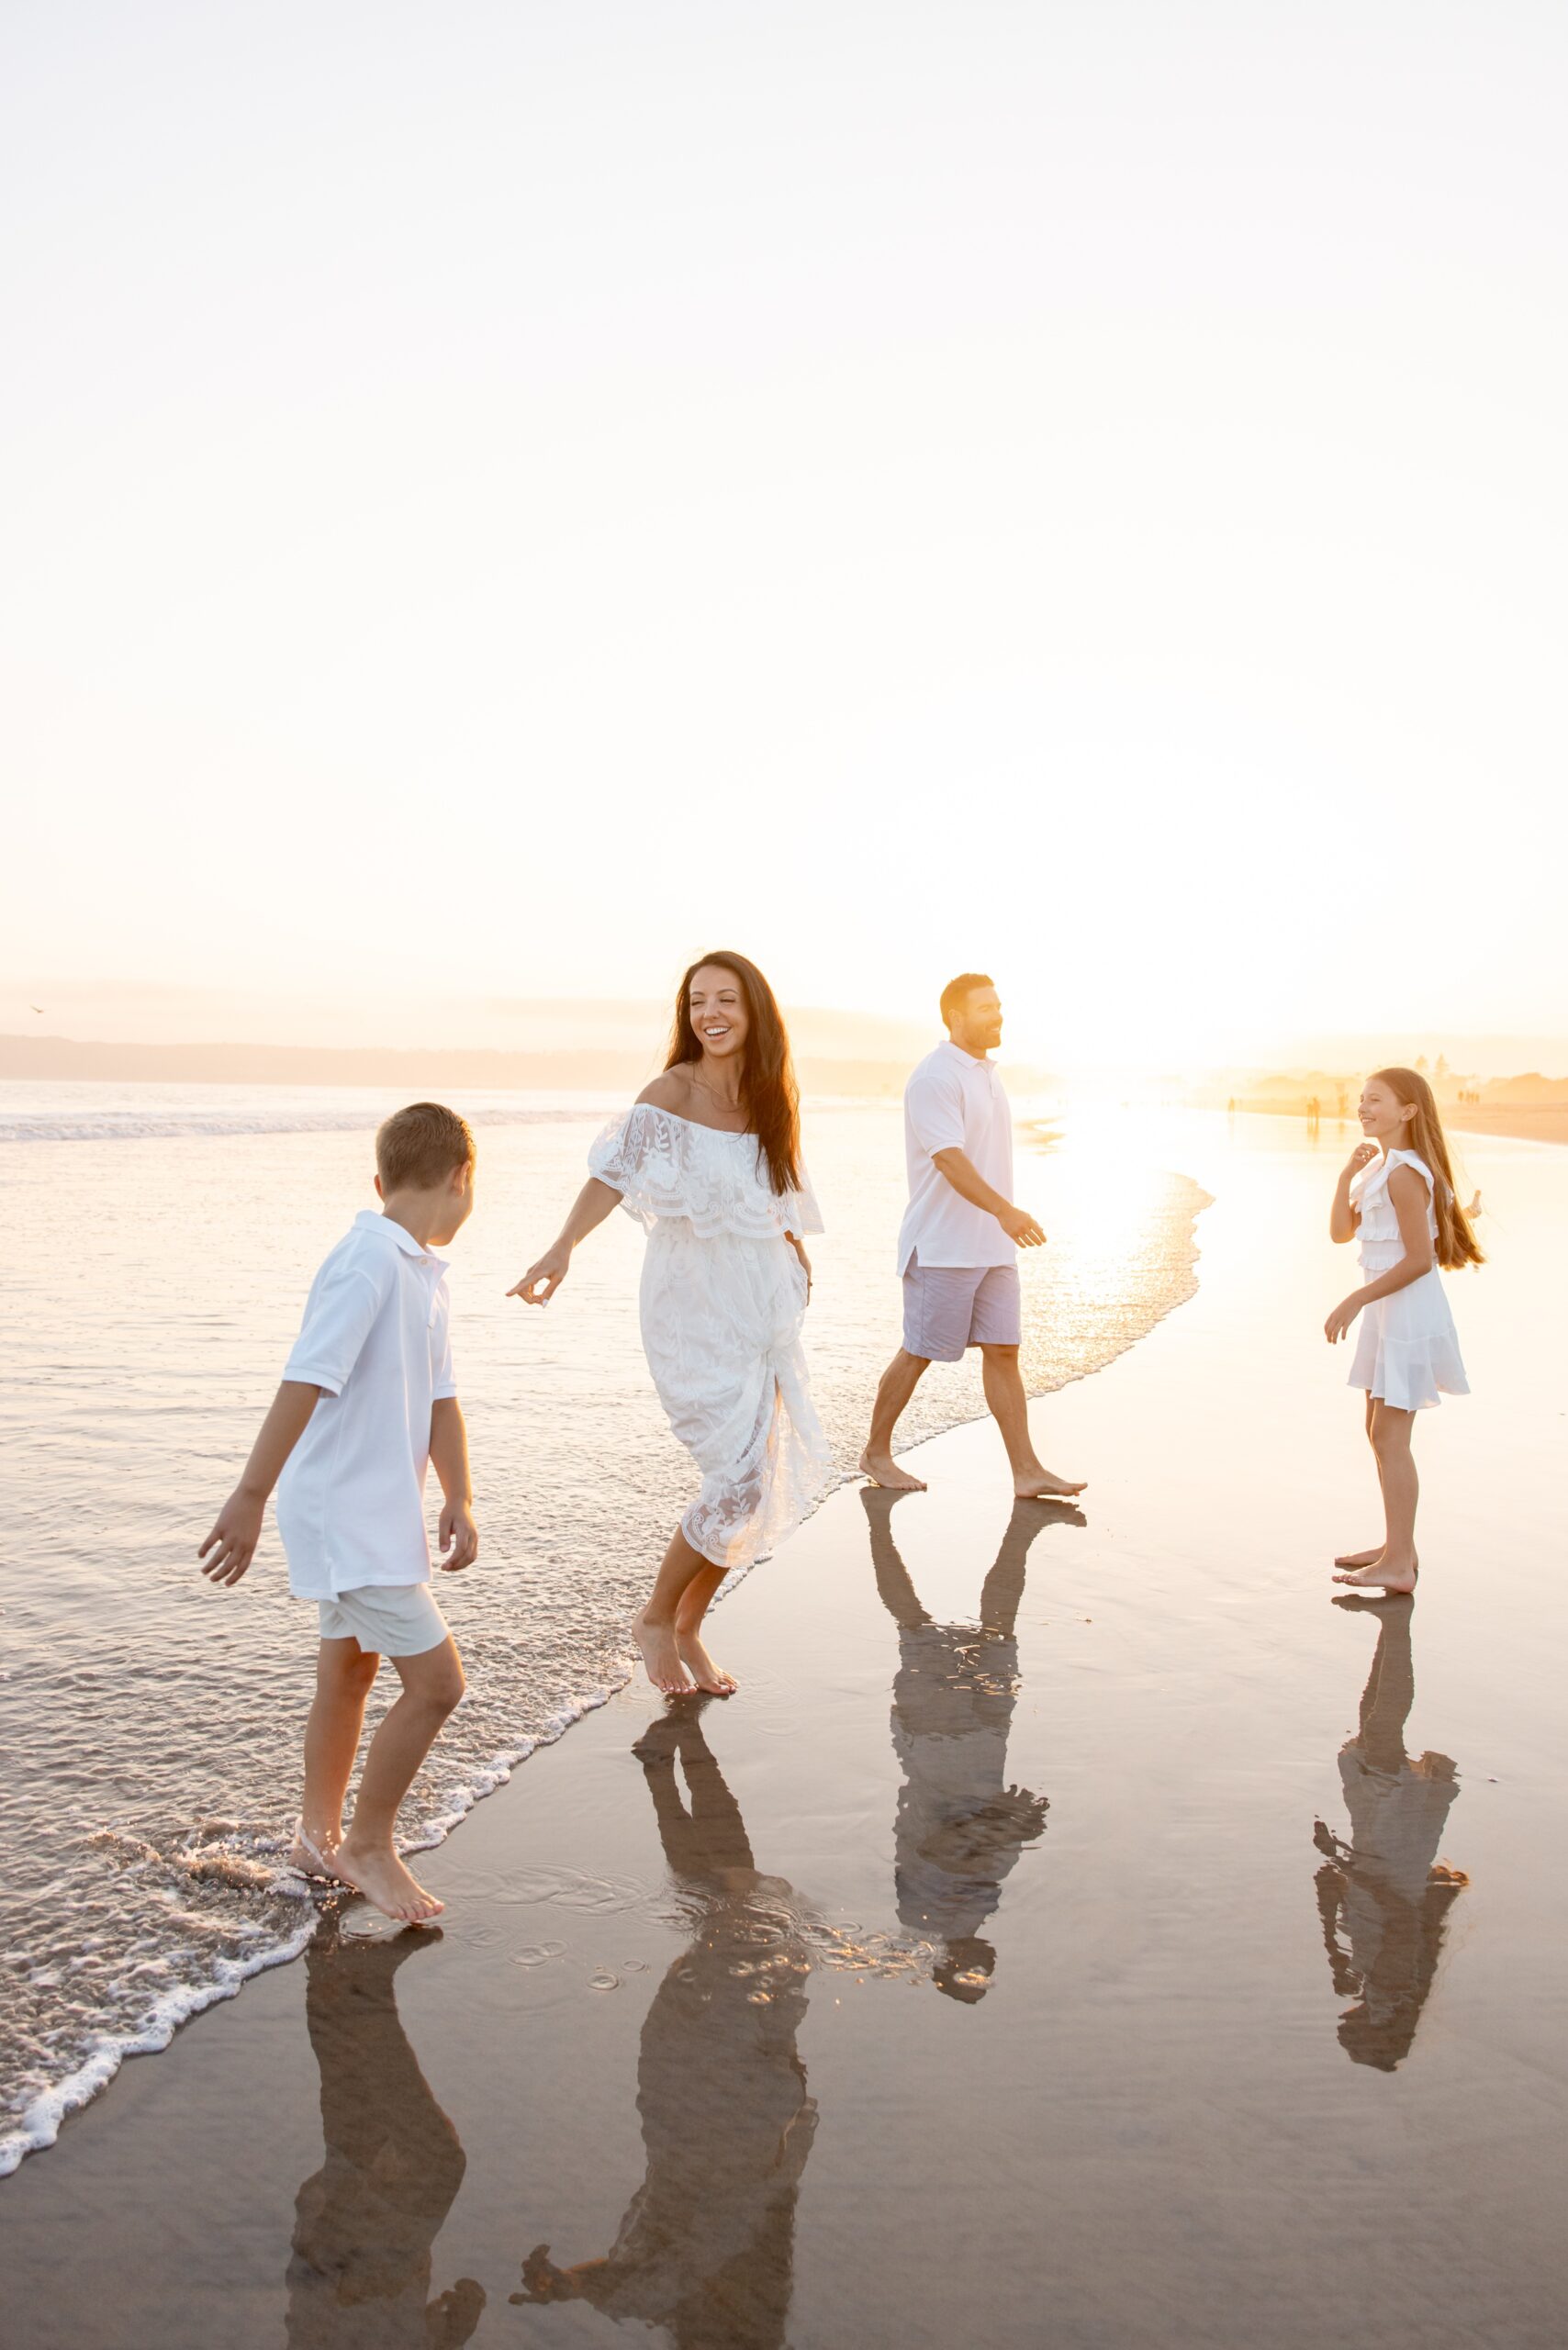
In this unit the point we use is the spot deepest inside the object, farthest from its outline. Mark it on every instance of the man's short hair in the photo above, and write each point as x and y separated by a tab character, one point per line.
956	990
418	1148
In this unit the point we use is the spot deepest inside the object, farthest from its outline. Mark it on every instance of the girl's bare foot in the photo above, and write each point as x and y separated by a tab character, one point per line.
1394	1576
704	1672
661	1658
386	1883
1041	1486
882	1469
1358	1558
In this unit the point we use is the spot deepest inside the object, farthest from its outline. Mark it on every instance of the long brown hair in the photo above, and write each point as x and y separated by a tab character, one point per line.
769	1095
1423	1133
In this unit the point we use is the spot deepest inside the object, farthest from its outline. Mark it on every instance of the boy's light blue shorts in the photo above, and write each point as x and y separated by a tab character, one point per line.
387	1619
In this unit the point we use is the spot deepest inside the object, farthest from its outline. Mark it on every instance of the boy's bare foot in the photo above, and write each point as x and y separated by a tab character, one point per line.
386	1883
661	1658
883	1470
704	1672
310	1855
1041	1486
1394	1576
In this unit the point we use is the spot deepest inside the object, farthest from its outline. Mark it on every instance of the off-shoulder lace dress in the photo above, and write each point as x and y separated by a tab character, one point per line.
1406	1348
722	1301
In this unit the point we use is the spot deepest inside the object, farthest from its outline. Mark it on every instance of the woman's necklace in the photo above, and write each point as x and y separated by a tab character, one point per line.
721	1102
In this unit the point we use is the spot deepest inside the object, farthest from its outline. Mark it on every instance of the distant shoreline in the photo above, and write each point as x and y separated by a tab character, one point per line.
1521	1120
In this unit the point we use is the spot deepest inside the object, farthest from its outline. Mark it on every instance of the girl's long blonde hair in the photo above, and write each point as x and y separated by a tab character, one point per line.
1423	1133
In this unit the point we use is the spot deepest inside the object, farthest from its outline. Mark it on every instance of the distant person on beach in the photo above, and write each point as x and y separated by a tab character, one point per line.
960	1240
1396	1191
367	1402
709	1161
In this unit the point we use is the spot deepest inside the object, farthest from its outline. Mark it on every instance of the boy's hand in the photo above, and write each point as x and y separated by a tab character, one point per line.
234	1537
459	1538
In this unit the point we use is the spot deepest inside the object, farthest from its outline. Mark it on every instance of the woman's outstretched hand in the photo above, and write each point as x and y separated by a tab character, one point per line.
541	1281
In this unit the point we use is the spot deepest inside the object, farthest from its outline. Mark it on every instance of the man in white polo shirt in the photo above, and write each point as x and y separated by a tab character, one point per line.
960	1240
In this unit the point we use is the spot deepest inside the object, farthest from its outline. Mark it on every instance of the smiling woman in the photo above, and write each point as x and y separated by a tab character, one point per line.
709	1161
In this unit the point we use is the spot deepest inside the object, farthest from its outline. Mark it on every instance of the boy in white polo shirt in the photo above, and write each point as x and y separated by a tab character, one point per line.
367	1401
960	1240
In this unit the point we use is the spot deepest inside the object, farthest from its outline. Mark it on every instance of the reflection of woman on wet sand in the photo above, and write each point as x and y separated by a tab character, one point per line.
1383	1897
960	1825
706	2248
366	2221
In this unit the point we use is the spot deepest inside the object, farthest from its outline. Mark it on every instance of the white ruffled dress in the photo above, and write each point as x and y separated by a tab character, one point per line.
1407	1348
723	1298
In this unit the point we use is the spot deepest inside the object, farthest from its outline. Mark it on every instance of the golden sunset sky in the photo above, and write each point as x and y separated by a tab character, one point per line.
500	497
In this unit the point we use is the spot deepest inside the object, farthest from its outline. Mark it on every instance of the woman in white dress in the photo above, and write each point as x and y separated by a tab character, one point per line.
709	1161
1396	1191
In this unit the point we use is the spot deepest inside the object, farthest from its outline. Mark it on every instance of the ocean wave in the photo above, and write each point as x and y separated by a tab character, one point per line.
140	1125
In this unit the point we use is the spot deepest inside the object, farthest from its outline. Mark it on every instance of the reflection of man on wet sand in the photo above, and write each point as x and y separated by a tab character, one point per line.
960	1825
1384	1895
367	2220
706	2249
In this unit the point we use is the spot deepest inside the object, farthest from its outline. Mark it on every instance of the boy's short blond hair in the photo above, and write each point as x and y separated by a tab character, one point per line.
418	1148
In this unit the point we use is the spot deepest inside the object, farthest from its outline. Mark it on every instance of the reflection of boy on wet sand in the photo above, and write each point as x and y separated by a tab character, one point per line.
1383	1897
365	2224
960	1826
706	2248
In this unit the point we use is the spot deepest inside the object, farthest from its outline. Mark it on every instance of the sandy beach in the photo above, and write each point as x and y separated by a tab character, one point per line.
1079	1930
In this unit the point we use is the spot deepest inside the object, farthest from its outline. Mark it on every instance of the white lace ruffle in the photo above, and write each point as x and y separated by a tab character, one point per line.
663	1166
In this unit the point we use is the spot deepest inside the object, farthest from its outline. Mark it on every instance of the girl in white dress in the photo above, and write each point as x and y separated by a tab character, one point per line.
709	1161
1397	1192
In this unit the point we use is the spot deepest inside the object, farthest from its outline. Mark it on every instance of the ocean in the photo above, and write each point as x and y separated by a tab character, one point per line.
163	1238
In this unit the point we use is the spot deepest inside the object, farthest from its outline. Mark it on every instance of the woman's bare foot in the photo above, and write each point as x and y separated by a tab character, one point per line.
1358	1558
882	1469
1395	1576
1041	1486
661	1658
386	1885
704	1672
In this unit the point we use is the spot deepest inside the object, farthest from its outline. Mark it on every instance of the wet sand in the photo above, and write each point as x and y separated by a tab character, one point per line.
1080	1931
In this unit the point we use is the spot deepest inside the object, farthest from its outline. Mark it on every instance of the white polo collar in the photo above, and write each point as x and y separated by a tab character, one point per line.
401	1237
969	1060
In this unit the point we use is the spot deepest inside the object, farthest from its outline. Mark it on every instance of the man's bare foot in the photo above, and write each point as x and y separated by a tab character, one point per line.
386	1885
883	1470
704	1672
661	1658
1041	1486
1395	1576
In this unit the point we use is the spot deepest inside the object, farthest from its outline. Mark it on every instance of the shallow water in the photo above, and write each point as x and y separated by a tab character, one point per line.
149	1725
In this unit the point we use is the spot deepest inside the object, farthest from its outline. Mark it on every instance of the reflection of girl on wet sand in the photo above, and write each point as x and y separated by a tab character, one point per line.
366	2221
960	1825
1383	1897
706	2248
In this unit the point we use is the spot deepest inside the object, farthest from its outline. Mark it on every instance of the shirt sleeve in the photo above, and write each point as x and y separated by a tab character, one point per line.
339	1313
933	1104
442	1382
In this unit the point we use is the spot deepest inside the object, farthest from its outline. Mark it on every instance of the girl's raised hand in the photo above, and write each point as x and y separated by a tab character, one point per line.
1362	1156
